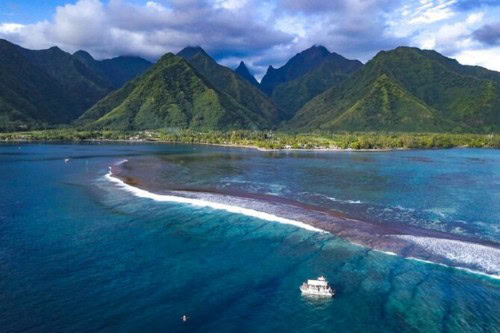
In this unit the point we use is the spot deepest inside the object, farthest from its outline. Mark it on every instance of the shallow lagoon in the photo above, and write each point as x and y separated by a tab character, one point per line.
79	253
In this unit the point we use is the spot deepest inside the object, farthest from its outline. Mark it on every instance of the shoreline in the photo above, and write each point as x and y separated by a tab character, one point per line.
269	140
254	147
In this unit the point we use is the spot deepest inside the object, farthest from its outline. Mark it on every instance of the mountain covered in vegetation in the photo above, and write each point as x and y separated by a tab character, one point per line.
297	66
226	80
171	94
28	94
243	71
45	87
407	89
82	86
116	71
333	70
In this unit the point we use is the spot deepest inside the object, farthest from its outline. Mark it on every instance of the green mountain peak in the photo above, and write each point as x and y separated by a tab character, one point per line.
226	80
423	91
243	71
170	94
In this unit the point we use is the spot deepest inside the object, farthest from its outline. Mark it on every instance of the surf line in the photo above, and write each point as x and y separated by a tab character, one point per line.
202	203
256	214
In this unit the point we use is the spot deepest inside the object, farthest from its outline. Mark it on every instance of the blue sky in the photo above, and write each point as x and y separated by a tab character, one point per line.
260	32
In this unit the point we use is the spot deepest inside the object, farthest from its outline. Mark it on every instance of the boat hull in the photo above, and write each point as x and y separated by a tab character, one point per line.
306	291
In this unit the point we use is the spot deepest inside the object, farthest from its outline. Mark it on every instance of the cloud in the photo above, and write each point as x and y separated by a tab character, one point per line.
263	32
488	34
119	27
480	57
430	11
10	28
354	28
451	38
260	32
339	6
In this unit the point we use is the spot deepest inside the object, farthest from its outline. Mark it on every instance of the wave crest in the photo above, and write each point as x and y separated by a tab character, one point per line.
203	203
478	256
475	258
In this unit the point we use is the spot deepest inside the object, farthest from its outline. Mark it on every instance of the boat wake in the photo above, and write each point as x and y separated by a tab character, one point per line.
424	245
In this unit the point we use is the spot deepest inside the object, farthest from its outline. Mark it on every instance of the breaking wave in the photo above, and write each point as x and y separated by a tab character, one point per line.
203	203
481	257
471	257
345	201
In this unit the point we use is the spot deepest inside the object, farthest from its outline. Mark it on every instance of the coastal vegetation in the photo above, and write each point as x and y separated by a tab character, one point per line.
269	139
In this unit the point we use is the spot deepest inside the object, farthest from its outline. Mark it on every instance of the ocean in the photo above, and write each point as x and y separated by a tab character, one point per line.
131	237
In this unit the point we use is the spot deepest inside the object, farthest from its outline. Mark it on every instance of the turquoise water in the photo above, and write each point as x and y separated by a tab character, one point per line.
80	252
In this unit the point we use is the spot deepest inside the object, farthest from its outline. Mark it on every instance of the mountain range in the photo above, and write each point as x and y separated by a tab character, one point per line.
46	87
323	70
226	80
171	94
405	89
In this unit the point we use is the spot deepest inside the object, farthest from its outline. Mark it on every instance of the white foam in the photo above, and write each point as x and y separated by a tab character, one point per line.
487	258
203	203
399	207
387	252
345	201
492	276
461	253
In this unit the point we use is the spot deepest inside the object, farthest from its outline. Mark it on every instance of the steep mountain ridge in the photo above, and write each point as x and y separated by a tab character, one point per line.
28	95
334	69
116	71
297	66
459	98
46	87
243	71
171	94
82	86
227	81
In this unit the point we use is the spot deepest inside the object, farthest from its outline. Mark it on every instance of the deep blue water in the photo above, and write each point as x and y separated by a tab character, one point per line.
79	253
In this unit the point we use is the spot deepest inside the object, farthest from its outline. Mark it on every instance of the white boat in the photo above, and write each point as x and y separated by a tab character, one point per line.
319	287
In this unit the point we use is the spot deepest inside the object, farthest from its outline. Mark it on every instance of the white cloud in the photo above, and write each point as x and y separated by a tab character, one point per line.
474	18
260	32
452	37
481	57
156	6
230	4
432	11
9	28
119	27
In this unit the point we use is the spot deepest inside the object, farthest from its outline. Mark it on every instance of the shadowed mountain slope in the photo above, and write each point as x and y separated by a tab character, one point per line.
334	69
117	71
297	66
243	71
